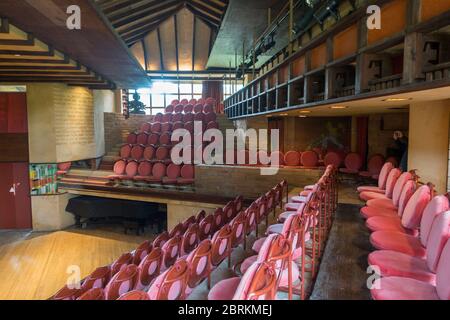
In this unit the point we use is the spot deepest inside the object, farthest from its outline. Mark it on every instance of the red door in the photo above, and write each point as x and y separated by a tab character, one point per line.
15	201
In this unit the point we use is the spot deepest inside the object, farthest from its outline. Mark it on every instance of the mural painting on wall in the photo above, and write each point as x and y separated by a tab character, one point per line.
326	134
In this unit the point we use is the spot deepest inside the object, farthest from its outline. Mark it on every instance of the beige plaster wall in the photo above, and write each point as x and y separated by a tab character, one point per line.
429	141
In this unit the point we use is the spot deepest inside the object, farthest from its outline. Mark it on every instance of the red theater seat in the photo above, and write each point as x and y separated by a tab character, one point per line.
292	159
142	138
393	176
134	295
374	166
123	282
137	152
382	180
353	163
172	284
132	138
95	294
332	158
310	159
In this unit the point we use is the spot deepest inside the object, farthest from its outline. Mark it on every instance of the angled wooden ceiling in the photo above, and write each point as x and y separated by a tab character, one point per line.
135	19
181	43
24	58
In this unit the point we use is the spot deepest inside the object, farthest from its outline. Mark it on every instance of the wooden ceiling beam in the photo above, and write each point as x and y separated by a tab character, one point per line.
211	5
206	11
133	9
147	12
145	28
43	67
210	23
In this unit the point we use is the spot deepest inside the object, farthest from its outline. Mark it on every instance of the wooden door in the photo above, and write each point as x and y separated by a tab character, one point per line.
15	201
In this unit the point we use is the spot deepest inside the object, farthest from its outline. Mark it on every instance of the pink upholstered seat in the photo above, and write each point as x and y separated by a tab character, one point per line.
399	288
374	166
382	179
369	212
396	193
396	241
390	184
393	263
405	196
383	223
436	206
225	289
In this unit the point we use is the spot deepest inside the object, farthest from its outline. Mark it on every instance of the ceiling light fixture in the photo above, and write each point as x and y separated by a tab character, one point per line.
305	111
302	116
396	99
339	107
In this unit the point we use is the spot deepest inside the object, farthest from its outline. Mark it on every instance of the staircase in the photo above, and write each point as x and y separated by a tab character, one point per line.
110	158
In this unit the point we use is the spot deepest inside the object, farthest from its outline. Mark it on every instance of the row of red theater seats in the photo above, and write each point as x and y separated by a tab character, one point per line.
186	256
164	136
163	123
153	172
410	228
284	244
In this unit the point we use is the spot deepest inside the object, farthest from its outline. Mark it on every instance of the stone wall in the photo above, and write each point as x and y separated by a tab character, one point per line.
117	127
230	181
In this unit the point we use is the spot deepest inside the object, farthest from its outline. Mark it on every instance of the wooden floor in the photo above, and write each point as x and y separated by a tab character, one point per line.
343	271
34	265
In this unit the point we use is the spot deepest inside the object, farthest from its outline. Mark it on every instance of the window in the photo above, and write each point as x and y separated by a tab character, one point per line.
162	93
230	89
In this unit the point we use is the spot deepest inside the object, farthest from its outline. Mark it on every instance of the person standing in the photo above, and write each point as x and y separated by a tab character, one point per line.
402	144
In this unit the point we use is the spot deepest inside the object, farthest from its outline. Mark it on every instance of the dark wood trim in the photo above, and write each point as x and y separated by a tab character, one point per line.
144	49
162	6
161	55
177	56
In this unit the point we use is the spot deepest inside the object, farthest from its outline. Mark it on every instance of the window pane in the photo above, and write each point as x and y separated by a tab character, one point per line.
185	88
158	101
188	97
170	98
198	88
164	87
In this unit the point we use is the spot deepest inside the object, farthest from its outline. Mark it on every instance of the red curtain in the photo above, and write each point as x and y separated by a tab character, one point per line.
362	124
213	89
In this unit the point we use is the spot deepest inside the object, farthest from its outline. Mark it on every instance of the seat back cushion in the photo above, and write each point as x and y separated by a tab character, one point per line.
385	170
391	181
405	177
412	215
436	206
443	274
440	233
407	192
